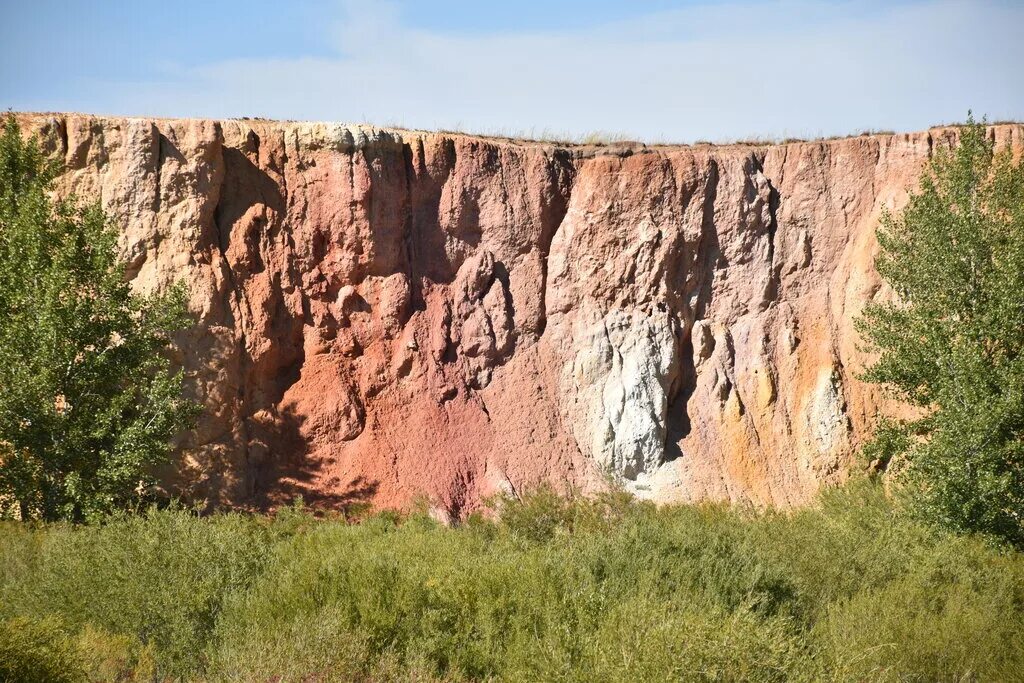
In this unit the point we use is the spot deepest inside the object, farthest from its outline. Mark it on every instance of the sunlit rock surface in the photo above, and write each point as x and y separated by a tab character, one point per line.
385	314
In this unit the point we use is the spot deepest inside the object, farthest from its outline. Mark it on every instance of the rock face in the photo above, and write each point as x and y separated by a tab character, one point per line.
386	314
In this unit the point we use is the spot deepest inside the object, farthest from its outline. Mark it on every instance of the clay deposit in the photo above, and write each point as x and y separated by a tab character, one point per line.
385	314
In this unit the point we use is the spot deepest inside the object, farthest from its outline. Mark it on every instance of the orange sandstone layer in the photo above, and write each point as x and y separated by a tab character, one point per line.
386	314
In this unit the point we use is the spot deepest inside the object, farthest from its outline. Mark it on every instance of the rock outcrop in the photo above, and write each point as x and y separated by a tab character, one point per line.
385	314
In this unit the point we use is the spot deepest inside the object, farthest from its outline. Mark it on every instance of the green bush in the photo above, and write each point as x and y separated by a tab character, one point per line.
952	343
37	651
933	626
651	640
558	589
88	403
115	658
158	578
43	651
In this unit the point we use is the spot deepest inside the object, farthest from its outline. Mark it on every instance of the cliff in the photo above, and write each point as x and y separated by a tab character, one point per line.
383	314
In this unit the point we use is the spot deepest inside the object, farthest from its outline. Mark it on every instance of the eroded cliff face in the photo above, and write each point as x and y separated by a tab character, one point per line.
387	314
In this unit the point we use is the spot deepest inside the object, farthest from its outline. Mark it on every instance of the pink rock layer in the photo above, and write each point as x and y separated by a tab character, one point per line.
383	315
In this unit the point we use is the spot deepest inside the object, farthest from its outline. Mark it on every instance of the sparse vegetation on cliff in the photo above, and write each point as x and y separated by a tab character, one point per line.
559	590
87	402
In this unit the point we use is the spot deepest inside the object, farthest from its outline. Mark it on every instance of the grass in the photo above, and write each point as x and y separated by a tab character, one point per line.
601	138
606	138
558	590
597	138
610	138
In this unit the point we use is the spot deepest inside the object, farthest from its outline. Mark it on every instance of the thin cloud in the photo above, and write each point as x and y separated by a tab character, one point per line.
704	72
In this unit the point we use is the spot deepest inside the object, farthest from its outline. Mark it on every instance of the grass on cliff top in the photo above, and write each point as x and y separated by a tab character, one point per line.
602	590
604	138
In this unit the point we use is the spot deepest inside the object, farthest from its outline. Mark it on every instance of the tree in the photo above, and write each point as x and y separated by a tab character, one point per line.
951	343
88	402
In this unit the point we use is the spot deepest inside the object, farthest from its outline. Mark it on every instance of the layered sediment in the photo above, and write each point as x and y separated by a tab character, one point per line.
385	314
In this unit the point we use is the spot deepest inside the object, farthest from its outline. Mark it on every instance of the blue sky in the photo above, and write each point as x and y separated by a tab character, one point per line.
664	70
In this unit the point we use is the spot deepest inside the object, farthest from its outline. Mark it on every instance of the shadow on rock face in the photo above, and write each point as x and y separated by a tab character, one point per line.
286	468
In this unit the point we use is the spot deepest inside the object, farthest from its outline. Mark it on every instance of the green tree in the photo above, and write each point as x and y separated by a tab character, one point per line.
951	343
88	403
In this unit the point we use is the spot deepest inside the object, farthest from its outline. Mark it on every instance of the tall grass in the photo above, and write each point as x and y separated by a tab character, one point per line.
607	589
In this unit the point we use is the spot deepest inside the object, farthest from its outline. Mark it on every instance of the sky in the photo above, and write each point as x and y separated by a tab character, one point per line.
655	70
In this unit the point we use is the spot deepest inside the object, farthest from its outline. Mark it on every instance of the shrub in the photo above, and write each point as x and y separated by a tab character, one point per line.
87	402
37	651
115	658
954	614
952	344
846	589
158	578
653	640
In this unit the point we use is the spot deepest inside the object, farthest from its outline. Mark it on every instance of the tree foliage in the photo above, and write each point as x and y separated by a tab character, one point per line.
88	403
952	343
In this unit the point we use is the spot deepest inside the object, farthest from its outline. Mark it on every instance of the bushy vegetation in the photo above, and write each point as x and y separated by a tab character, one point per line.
952	344
561	590
88	404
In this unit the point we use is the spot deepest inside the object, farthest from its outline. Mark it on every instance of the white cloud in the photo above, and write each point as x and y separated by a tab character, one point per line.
712	71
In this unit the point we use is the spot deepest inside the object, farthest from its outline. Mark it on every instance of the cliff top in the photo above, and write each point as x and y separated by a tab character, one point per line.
591	144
